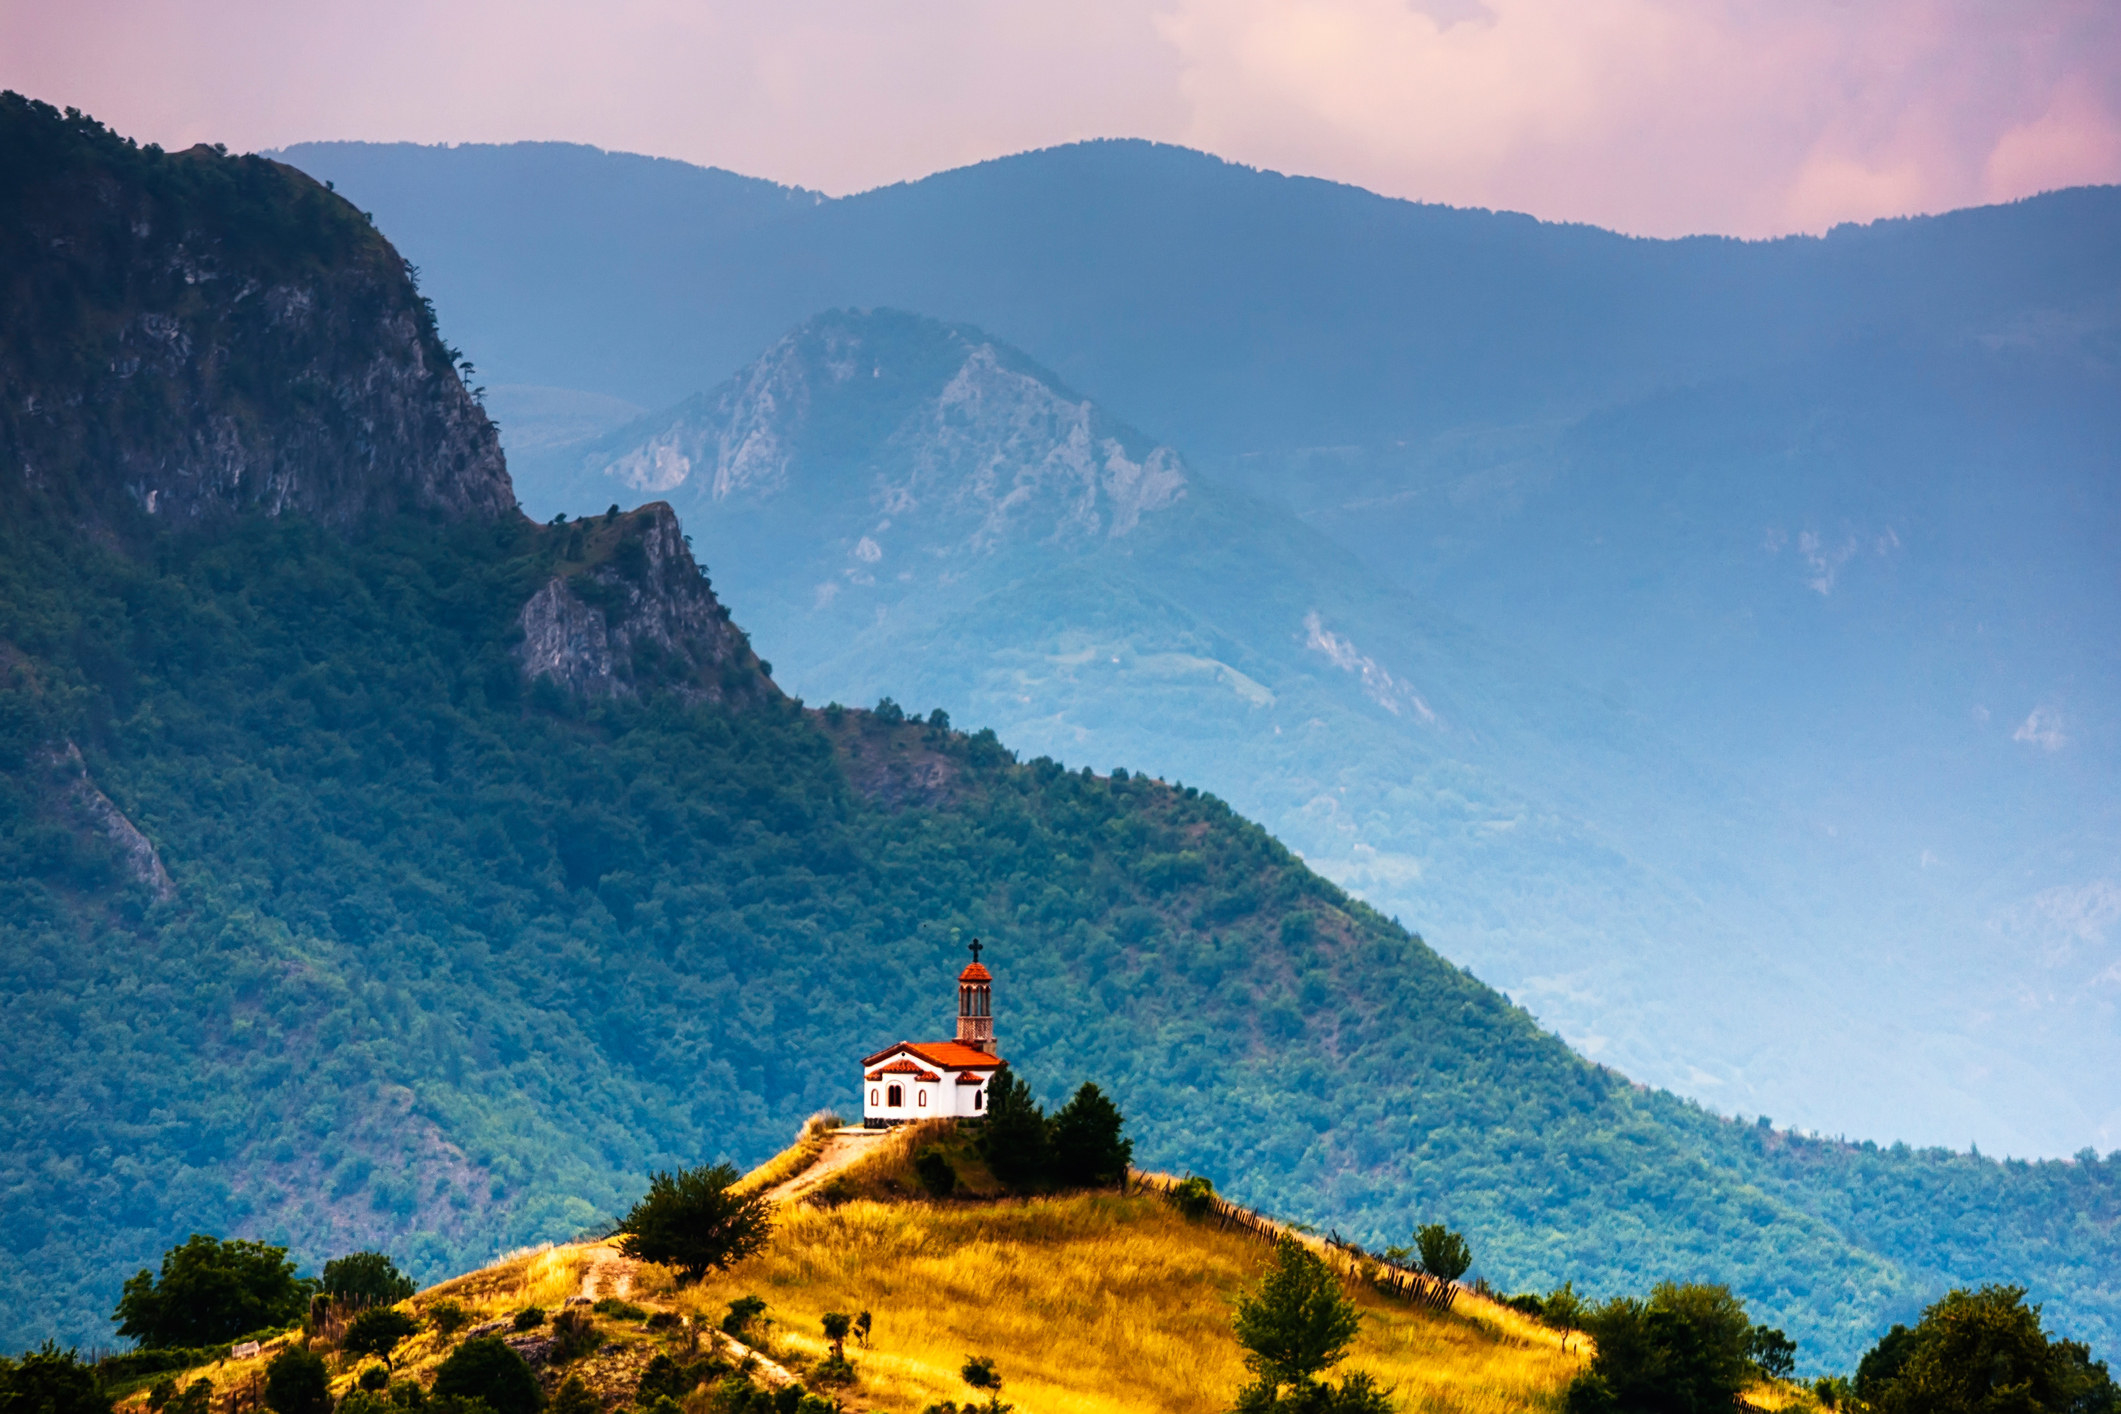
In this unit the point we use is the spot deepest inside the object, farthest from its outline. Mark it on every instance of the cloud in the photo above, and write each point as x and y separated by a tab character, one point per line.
1824	561
2042	727
1652	116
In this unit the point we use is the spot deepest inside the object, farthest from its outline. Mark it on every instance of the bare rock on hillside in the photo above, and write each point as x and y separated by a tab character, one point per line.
193	336
95	811
639	613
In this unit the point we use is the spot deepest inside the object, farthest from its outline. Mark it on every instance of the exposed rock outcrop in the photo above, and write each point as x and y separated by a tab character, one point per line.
633	611
94	810
934	434
185	337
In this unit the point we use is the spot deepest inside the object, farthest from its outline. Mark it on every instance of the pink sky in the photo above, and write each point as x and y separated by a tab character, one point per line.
1661	117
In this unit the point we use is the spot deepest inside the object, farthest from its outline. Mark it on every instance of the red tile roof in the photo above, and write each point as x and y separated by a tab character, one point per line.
970	1079
975	973
954	1055
903	1067
951	1055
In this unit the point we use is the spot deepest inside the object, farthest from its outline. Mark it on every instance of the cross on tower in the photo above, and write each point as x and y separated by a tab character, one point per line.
975	949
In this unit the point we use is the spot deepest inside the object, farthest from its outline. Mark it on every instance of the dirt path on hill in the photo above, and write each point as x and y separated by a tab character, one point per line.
610	1273
843	1147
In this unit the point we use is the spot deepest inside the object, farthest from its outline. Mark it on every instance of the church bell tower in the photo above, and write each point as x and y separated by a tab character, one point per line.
975	1005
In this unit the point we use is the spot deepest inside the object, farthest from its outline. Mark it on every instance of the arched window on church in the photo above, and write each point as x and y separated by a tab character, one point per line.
893	1097
872	1097
979	1099
924	1097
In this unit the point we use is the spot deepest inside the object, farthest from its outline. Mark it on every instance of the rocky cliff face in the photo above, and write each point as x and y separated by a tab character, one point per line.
630	610
921	442
191	336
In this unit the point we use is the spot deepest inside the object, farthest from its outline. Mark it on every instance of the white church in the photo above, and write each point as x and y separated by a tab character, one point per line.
916	1080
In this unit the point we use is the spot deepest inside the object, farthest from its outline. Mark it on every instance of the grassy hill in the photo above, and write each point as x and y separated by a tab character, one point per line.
1087	1303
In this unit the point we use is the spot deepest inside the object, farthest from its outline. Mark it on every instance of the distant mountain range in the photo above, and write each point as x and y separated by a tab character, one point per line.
1757	598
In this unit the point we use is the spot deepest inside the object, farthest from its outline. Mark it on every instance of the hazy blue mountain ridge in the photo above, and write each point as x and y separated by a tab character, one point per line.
898	534
1833	519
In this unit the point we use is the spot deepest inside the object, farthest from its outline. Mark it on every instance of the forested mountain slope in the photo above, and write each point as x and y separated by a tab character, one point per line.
1833	518
490	869
913	508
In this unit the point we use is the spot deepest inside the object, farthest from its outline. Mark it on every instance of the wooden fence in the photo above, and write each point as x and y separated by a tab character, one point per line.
1355	1265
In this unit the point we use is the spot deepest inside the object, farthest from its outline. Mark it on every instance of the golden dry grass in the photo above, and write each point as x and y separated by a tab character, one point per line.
809	1143
1090	1303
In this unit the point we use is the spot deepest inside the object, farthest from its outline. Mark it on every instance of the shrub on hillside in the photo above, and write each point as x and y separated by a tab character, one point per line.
1194	1197
1980	1351
448	1317
742	1312
692	1221
49	1380
618	1309
296	1382
365	1279
574	1396
573	1334
197	1398
529	1318
377	1331
374	1378
667	1378
211	1291
932	1168
485	1368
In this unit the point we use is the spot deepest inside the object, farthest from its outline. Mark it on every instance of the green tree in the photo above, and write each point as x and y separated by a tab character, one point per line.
1444	1253
1088	1148
1684	1351
377	1331
690	1220
1772	1353
1294	1326
365	1279
1982	1352
484	1368
211	1291
1562	1309
1013	1140
296	1382
49	1380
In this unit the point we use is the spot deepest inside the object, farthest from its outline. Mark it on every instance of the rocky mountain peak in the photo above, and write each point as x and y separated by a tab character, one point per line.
630	610
192	336
921	438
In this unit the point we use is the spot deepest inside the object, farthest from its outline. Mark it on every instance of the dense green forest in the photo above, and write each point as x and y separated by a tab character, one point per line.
429	958
450	963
